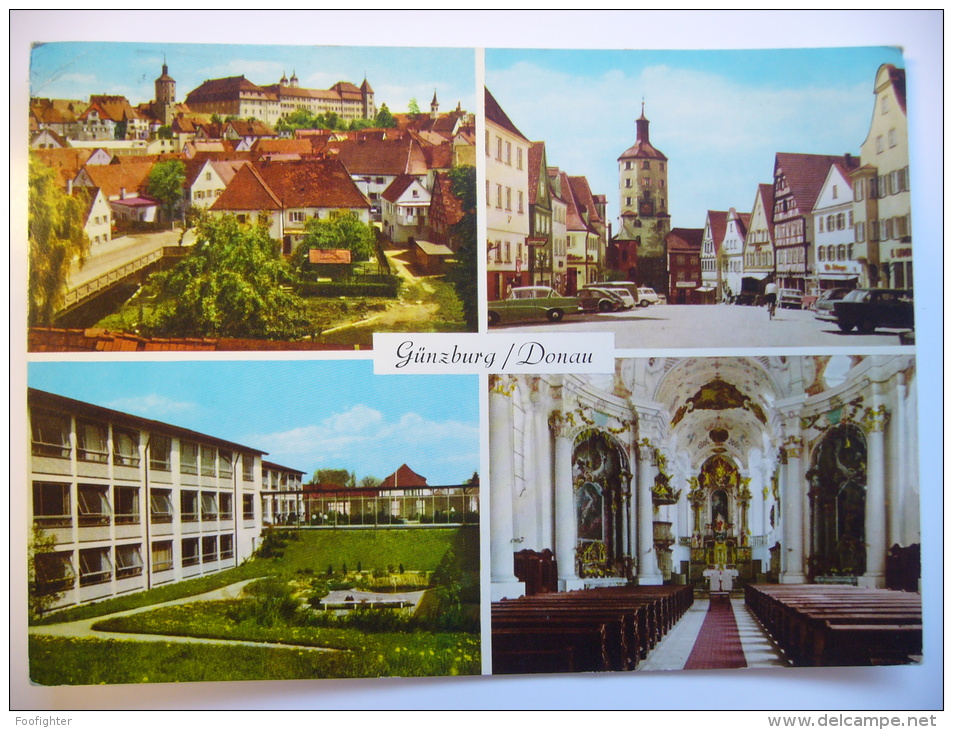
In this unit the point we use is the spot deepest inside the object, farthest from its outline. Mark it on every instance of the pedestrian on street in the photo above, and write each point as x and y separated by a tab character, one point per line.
771	296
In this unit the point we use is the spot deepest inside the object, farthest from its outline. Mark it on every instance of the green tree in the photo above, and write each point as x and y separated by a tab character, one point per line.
412	106
41	597
332	477
55	238
165	184
341	230
384	119
369	482
463	237
165	132
233	283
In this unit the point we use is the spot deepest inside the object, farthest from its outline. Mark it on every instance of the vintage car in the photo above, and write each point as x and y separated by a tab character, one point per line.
789	298
594	299
824	304
628	301
868	309
532	302
643	295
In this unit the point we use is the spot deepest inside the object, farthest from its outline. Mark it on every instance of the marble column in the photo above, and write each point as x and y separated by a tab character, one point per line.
503	582
793	488
565	512
901	457
649	573
543	463
875	521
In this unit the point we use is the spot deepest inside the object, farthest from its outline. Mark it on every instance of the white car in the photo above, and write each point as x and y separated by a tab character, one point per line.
626	296
646	296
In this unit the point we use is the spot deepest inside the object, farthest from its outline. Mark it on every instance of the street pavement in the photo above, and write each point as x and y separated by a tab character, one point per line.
713	326
120	251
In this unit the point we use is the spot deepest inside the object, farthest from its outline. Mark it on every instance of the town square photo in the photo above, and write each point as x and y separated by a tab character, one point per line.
670	197
189	523
228	197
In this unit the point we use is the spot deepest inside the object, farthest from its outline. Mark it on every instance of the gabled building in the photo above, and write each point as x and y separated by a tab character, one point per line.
582	240
759	244
560	235
289	193
113	117
883	237
732	258
507	195
540	240
797	181
374	161
207	179
683	248
117	182
99	218
715	225
834	232
405	205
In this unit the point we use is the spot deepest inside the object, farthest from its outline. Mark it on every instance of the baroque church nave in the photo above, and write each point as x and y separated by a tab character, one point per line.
717	477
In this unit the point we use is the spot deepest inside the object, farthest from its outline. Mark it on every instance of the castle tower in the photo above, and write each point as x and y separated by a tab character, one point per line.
434	106
643	179
367	97
163	106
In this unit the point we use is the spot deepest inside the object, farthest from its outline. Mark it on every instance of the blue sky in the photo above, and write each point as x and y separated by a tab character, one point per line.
305	414
719	116
74	70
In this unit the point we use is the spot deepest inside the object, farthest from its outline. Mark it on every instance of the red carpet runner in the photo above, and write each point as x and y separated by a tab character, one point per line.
718	645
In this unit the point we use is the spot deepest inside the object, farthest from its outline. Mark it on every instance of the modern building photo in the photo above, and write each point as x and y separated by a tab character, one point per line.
641	520
183	500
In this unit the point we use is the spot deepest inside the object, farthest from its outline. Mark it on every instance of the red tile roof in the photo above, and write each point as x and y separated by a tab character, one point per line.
247	191
404	477
718	222
370	156
312	183
132	177
805	174
329	256
685	240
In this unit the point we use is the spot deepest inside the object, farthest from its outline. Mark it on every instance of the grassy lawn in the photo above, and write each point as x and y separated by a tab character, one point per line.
365	643
315	550
55	661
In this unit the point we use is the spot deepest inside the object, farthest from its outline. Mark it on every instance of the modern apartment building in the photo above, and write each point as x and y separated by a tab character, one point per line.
133	503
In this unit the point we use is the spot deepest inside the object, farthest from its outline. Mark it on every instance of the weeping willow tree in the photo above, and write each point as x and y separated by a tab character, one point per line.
56	239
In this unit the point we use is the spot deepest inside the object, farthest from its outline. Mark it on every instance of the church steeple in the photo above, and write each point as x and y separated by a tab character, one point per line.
642	127
434	106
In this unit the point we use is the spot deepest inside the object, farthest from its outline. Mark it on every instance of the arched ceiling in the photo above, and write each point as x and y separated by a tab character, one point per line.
720	404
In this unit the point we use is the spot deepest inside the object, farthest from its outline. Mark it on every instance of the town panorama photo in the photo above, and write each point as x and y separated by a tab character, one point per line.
225	197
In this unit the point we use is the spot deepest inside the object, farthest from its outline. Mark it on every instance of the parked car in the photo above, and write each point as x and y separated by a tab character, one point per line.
628	301
592	299
532	302
646	295
868	309
824	304
789	298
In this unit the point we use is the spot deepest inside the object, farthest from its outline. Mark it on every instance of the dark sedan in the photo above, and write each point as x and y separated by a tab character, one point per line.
868	309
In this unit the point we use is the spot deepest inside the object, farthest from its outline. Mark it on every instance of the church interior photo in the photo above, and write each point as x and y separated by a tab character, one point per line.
707	512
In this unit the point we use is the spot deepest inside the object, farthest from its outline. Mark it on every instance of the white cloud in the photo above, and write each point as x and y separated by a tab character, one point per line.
152	406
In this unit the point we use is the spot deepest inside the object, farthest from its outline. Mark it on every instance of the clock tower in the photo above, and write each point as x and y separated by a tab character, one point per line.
638	249
643	181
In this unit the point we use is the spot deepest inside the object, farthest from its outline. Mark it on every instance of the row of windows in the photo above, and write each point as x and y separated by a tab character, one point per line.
504	151
645	165
792	255
883	229
890	183
759	259
504	252
211	194
646	182
55	571
51	437
841	252
505	201
891	140
53	506
834	222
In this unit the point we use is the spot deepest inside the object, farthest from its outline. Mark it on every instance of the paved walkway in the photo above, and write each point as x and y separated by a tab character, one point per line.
674	649
83	629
